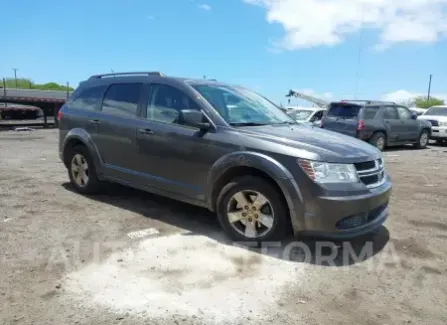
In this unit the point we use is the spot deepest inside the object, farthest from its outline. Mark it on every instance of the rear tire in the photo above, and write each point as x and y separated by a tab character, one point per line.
422	141
378	140
262	221
81	170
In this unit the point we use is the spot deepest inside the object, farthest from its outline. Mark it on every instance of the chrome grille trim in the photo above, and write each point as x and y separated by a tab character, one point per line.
378	171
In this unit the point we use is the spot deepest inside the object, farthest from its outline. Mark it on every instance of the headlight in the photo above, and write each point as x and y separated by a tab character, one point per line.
322	172
442	123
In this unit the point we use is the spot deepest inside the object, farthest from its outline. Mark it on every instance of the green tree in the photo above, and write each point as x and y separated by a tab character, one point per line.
422	102
25	83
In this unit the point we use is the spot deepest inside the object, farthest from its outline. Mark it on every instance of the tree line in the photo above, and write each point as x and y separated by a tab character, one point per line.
25	83
423	102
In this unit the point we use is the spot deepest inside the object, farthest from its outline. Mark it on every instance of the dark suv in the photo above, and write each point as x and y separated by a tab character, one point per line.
379	123
225	148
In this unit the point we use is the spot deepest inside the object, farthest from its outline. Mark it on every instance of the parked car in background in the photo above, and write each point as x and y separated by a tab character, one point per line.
251	163
418	111
308	115
380	123
437	116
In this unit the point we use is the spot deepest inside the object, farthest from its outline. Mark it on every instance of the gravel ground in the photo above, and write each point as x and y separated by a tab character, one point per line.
127	257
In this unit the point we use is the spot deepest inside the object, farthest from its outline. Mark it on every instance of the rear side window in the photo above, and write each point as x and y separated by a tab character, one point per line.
87	98
122	99
343	110
369	113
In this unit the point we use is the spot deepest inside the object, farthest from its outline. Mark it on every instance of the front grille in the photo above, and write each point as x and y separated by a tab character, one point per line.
371	173
365	165
434	122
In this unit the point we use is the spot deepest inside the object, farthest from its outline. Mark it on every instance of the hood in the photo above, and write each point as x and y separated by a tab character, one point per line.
305	141
433	117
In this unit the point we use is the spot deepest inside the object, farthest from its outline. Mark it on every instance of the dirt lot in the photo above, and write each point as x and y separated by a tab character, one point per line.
128	257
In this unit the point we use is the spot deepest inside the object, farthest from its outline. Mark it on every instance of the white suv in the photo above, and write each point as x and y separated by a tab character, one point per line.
437	115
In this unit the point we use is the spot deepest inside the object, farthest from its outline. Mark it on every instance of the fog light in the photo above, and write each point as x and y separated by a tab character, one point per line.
352	221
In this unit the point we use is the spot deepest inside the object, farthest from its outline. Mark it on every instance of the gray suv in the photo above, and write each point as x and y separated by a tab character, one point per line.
225	148
382	124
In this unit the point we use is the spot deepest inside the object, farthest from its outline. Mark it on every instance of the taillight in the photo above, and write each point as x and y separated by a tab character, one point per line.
59	115
361	125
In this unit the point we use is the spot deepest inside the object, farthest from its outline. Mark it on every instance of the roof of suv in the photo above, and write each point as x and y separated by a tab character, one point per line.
148	74
365	102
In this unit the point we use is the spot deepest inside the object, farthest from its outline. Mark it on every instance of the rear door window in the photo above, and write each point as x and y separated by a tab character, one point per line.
369	113
346	111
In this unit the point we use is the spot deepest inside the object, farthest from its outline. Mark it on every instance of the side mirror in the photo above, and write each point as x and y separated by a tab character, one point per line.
193	118
414	115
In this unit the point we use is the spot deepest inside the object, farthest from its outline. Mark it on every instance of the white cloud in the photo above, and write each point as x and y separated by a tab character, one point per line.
404	95
309	23
204	6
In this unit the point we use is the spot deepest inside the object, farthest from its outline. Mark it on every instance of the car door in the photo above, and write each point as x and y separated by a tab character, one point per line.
392	123
409	125
172	157
116	140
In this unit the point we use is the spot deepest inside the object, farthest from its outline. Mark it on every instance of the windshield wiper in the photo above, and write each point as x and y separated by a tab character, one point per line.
286	122
247	124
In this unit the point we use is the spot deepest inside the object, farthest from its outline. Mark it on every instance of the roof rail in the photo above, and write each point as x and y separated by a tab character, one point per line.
119	74
367	101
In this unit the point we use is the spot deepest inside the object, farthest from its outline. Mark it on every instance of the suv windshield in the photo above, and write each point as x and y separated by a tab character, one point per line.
301	115
437	111
240	106
347	111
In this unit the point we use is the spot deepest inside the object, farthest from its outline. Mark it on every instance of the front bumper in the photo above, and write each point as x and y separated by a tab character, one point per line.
438	132
348	216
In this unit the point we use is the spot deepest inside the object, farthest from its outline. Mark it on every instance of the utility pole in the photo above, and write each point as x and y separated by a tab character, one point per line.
429	88
15	76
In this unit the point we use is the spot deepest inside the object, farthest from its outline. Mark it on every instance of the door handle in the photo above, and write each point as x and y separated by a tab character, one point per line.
94	121
145	131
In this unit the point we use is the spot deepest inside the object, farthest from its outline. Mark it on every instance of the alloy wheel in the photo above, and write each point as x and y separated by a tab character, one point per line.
423	140
80	170
380	144
250	213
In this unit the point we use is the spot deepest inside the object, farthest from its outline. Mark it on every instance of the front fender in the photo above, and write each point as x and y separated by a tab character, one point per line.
271	167
80	135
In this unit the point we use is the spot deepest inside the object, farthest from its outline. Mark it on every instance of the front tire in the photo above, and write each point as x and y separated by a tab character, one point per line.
422	141
81	170
250	209
378	140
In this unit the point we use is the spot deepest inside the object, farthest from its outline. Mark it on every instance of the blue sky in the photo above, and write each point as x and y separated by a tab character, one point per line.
268	45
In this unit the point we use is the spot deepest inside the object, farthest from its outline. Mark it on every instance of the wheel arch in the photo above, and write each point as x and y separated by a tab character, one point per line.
79	137
256	164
